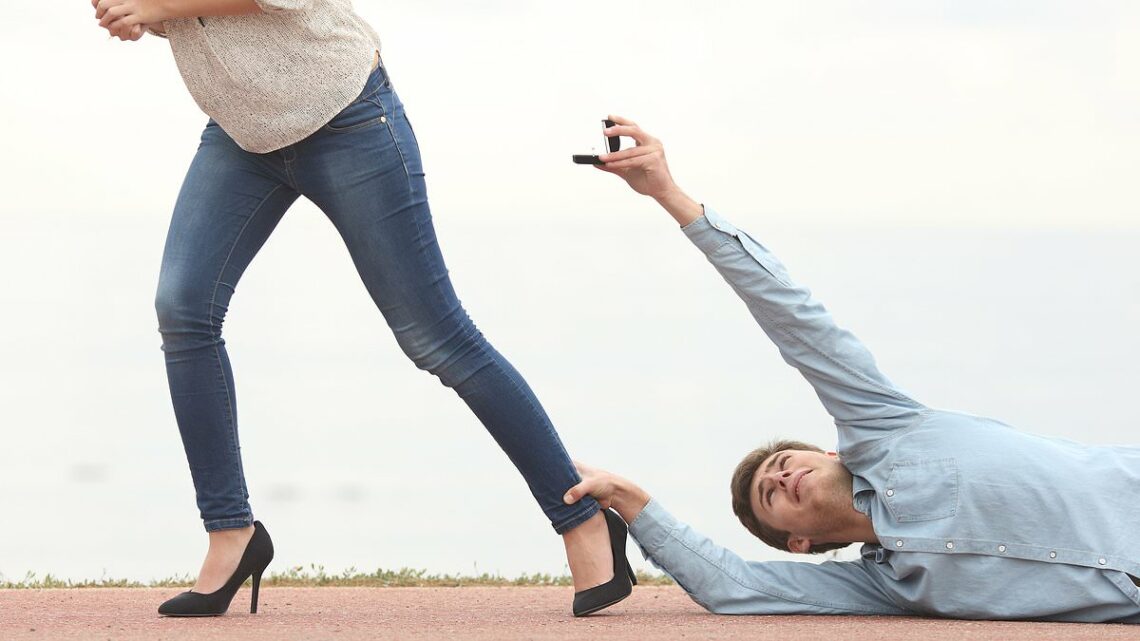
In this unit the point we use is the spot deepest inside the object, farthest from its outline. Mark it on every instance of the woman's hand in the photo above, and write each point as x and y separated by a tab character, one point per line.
609	490
128	33
126	18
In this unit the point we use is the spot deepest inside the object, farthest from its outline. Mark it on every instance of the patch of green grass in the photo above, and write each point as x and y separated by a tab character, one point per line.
33	582
315	576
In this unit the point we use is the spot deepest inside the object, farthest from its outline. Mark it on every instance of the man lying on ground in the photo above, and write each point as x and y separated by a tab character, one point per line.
960	516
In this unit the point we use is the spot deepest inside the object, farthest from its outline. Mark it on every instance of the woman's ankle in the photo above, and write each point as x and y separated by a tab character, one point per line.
588	553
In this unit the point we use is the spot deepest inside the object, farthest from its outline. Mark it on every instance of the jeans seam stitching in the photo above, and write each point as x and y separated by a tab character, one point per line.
396	141
242	521
400	151
230	414
291	176
585	515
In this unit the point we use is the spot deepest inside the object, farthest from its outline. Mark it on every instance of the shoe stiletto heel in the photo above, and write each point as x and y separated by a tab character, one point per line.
253	597
617	588
258	553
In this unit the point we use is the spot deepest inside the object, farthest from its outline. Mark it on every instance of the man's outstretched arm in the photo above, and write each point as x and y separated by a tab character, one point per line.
833	360
719	580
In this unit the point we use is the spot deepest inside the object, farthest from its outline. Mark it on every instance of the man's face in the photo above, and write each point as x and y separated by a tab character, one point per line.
804	493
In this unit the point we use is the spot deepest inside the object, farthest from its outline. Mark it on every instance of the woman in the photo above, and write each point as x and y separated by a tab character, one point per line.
301	105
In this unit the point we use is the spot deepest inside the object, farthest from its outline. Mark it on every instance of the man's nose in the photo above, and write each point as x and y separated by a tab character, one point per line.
780	477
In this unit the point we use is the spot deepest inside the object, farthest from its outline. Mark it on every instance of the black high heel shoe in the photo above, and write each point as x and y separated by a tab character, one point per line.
617	588
258	553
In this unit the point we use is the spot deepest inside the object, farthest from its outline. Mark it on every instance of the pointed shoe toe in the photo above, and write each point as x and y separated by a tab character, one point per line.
188	604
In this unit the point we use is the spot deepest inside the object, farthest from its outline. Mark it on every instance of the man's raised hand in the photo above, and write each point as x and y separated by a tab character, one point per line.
645	169
643	166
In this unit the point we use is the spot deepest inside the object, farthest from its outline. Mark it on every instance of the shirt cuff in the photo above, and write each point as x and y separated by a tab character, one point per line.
710	231
652	527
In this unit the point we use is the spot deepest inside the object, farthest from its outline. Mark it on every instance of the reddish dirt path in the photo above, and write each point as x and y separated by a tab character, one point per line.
297	614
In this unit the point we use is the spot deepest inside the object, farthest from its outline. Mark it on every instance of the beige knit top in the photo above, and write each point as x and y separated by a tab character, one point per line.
271	79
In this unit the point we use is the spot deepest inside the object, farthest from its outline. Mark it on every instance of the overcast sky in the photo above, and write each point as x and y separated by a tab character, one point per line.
979	112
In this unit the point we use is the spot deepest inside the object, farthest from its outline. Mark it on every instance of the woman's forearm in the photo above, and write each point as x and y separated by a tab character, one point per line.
171	9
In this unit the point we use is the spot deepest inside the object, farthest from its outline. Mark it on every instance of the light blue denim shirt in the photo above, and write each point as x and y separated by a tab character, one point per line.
974	519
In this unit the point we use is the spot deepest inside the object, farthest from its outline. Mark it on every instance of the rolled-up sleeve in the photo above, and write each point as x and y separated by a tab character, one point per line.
721	582
273	6
840	368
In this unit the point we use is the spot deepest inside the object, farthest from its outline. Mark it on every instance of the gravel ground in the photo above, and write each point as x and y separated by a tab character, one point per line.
297	614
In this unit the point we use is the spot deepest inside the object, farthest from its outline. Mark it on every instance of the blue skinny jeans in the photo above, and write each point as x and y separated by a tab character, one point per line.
363	170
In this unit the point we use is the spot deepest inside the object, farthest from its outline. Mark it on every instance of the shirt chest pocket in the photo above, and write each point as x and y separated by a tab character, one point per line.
923	490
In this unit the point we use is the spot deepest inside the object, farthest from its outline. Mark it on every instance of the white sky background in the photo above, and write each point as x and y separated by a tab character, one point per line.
974	111
995	128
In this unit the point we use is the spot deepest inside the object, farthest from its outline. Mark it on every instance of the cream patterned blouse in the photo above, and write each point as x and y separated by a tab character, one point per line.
271	79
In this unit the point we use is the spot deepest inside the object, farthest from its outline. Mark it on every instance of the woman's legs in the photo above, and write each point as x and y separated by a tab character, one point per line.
229	204
367	178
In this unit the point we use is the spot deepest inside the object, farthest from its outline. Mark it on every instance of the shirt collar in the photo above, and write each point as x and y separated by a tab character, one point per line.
861	494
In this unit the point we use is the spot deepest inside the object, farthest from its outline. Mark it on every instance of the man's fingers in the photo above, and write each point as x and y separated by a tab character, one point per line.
628	163
621	121
631	131
605	169
628	153
574	494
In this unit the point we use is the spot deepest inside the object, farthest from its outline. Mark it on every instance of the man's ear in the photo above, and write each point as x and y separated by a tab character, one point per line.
799	544
832	454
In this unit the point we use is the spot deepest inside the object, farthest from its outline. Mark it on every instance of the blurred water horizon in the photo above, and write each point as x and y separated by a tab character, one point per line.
646	361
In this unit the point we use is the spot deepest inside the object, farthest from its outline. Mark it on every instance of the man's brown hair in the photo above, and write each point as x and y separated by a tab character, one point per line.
742	490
